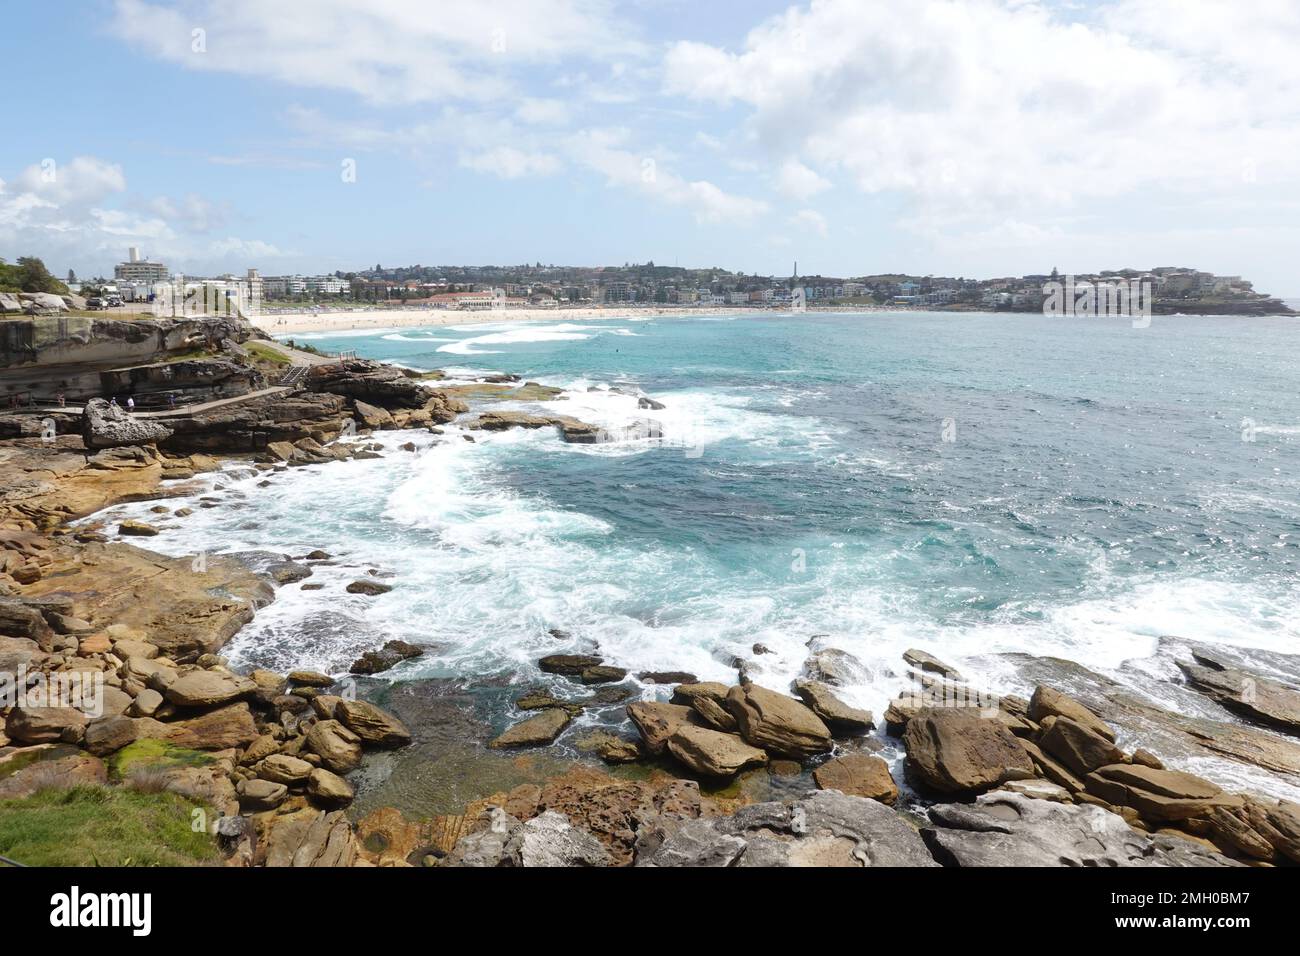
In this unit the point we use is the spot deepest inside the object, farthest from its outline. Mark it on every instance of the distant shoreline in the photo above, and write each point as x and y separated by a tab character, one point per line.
377	320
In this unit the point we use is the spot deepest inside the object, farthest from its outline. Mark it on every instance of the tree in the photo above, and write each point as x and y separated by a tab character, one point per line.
34	277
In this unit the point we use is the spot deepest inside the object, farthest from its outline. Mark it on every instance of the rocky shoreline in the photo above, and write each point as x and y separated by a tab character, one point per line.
304	768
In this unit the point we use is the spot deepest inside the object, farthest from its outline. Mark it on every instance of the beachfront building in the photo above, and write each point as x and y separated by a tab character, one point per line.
137	269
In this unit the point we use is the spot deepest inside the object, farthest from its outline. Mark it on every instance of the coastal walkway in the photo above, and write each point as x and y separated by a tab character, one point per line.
180	411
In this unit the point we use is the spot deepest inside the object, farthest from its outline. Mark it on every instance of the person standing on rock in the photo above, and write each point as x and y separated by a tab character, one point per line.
130	405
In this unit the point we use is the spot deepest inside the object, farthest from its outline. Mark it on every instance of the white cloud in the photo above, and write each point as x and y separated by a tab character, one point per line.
388	51
601	151
811	220
543	112
510	163
797	181
978	106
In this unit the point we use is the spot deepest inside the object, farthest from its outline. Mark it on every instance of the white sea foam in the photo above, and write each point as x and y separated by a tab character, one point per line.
518	334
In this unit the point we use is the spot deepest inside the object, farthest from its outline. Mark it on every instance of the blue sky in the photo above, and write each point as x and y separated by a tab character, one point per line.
964	137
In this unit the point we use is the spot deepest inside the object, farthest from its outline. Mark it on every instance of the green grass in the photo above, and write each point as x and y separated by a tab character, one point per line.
147	754
102	826
265	353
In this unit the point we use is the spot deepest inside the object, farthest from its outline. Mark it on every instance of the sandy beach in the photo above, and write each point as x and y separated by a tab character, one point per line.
376	319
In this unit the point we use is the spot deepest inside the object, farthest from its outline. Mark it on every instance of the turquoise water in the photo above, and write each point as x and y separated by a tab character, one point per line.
968	484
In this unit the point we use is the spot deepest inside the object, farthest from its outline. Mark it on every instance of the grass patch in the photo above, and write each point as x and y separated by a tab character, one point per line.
265	353
102	826
150	754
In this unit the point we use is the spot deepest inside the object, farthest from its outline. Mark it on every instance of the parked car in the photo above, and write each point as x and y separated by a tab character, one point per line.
114	301
96	304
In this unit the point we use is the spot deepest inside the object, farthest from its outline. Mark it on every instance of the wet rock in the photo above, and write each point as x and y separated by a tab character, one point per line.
777	723
836	667
667	677
959	752
839	716
712	753
137	529
858	775
310	679
686	693
391	654
368	587
657	722
603	674
928	663
570	665
1247	694
338	747
373	725
535	731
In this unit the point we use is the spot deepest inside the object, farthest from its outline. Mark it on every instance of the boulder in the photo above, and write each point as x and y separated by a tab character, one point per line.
777	723
207	689
368	587
838	716
858	775
311	838
535	731
1047	702
136	529
338	748
328	790
310	679
657	722
109	426
225	727
547	840
836	667
282	768
713	713
40	725
1080	748
686	693
1160	795
390	655
257	794
929	664
955	751
821	828
602	674
25	771
570	665
711	753
1249	695
373	725
1012	829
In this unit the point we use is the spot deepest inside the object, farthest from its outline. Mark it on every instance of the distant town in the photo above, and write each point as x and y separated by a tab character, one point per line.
1172	289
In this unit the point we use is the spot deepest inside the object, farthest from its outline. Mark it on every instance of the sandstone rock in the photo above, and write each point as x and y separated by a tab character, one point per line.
959	752
138	529
838	716
371	416
1048	702
713	713
207	689
619	751
1080	748
602	674
311	839
127	648
39	725
858	775
338	747
924	661
1011	829
25	771
667	677
219	729
571	665
821	828
328	790
146	703
1039	789
390	655
310	679
257	794
109	426
535	731
281	768
836	667
711	753
686	693
657	722
778	724
1250	695
1163	795
373	725
368	587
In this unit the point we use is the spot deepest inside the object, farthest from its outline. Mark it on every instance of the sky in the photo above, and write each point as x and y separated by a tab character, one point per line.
975	138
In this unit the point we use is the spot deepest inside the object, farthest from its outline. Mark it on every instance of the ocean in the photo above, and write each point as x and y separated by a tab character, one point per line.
971	485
